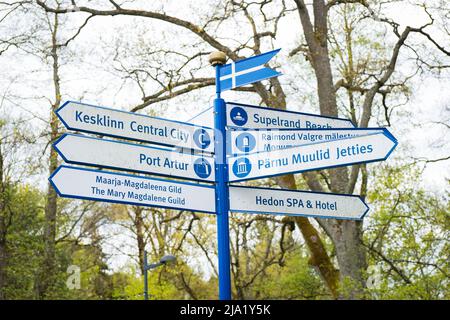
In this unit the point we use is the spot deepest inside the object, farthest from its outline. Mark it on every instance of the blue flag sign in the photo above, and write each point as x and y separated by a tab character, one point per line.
246	71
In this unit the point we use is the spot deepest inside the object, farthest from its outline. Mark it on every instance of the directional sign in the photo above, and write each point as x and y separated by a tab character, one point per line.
246	71
260	140
296	203
252	117
112	154
115	123
336	153
89	184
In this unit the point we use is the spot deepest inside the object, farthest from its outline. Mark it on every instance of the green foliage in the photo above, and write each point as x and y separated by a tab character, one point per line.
295	280
128	286
407	237
24	246
23	239
406	234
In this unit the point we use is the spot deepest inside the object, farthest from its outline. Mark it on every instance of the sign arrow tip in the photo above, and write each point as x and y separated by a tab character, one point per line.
63	106
367	208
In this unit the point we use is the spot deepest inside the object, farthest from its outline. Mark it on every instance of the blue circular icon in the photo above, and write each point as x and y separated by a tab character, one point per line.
242	167
238	116
202	168
201	138
245	142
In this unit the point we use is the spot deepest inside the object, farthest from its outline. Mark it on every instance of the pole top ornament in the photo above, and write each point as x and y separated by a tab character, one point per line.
217	57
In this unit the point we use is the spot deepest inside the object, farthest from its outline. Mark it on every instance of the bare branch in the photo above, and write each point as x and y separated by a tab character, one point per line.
367	106
432	160
65	44
337	2
150	14
167	93
397	270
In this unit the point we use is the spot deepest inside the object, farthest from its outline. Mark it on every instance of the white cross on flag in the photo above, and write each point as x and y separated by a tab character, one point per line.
246	71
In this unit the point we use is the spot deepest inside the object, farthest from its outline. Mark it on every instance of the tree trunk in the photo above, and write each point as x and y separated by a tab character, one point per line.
139	225
346	235
351	256
50	222
3	257
3	263
48	276
319	259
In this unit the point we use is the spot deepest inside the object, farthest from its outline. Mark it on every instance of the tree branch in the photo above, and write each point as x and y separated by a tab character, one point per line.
368	101
149	14
167	93
390	263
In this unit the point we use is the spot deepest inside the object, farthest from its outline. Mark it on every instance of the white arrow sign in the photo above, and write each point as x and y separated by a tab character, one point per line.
89	184
112	154
260	140
297	203
317	156
116	123
252	117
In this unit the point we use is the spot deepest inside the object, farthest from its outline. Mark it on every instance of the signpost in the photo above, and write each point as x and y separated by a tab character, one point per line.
253	117
260	140
90	184
115	123
317	156
221	195
119	155
296	203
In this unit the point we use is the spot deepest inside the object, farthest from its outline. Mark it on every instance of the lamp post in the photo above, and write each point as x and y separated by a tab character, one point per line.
164	260
217	59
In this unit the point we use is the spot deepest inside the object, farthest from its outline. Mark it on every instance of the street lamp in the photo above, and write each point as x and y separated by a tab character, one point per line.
164	260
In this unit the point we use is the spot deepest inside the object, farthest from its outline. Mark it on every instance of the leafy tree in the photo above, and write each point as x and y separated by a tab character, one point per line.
294	280
407	237
22	240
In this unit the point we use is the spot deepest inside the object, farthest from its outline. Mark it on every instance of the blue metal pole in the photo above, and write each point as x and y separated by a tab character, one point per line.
222	198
